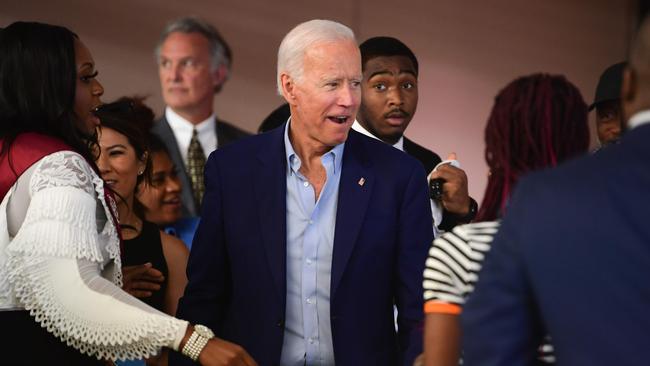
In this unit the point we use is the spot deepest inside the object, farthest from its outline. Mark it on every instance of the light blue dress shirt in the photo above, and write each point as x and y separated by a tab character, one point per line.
310	242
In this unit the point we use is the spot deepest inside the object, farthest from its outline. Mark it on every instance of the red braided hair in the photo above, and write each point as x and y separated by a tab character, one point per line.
537	121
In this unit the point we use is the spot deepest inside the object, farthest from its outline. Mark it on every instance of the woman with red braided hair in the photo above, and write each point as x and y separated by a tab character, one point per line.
537	122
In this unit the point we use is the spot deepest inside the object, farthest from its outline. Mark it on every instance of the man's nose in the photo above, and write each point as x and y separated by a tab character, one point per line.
349	96
173	72
395	97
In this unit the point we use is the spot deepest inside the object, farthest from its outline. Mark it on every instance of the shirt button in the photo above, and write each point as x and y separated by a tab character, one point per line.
310	301
311	340
306	184
308	261
311	222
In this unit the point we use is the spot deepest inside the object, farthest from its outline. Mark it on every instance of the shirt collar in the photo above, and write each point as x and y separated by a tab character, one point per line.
399	145
293	160
179	123
639	118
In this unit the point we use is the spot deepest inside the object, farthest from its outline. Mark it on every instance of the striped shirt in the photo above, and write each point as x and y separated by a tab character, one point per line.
452	268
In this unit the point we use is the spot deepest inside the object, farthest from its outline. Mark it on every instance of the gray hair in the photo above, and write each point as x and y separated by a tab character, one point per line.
296	43
220	53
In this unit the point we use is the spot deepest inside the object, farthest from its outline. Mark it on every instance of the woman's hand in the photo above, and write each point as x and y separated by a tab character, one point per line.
141	280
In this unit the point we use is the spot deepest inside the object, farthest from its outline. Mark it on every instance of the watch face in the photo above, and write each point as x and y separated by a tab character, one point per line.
203	331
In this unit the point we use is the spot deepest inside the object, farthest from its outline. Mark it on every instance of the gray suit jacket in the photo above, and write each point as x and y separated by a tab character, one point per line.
226	133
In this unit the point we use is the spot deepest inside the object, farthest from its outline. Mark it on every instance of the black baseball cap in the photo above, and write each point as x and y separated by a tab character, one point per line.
609	84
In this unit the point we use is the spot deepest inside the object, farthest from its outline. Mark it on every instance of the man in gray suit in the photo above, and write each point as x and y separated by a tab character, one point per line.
193	64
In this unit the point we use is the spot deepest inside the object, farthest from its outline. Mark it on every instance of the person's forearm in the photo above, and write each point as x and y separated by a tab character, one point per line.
441	340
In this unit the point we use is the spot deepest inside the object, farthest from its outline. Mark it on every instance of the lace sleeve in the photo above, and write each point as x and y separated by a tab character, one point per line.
61	219
63	169
76	304
54	265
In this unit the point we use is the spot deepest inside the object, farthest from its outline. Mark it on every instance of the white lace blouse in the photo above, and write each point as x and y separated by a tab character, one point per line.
60	260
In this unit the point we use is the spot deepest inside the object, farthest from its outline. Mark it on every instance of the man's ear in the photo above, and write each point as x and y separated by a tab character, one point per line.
288	88
219	76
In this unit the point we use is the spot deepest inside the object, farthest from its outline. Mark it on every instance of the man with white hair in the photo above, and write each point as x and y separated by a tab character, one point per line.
312	232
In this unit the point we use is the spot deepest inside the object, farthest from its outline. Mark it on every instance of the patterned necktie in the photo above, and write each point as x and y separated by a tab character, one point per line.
195	165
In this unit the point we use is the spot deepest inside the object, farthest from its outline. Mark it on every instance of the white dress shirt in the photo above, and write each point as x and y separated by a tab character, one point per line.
182	128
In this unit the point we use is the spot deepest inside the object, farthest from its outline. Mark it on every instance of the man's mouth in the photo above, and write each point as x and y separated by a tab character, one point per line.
396	118
176	89
339	119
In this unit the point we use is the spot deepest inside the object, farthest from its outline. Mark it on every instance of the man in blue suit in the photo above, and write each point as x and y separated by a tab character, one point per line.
572	258
310	233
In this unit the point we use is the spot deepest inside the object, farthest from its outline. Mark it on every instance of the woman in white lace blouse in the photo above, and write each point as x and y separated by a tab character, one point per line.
60	268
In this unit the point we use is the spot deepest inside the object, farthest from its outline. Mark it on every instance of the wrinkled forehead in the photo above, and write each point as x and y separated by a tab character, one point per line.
342	55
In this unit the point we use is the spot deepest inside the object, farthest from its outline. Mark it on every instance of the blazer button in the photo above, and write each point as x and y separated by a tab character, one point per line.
280	323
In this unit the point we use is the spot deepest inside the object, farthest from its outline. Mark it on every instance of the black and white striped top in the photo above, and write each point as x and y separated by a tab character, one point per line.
453	263
452	268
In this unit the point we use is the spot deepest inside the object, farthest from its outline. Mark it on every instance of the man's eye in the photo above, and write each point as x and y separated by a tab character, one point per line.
189	63
408	85
379	87
606	115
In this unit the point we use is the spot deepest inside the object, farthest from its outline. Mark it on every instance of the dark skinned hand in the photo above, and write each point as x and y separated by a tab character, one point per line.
141	280
455	197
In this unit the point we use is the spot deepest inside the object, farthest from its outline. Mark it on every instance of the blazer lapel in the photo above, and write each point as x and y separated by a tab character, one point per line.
270	192
355	189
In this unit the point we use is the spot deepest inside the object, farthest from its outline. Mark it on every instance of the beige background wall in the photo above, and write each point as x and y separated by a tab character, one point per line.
467	51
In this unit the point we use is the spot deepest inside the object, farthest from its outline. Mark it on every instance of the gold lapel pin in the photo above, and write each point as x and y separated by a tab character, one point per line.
362	181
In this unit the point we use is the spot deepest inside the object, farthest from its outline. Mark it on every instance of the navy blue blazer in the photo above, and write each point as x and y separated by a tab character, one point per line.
237	267
572	258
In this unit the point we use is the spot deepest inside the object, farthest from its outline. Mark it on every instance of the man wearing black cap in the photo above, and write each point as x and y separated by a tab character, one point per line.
607	103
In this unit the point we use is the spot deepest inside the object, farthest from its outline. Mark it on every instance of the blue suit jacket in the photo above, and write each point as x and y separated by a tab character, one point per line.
572	258
237	267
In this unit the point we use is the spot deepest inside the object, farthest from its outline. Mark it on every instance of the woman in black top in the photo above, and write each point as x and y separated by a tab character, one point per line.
156	259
